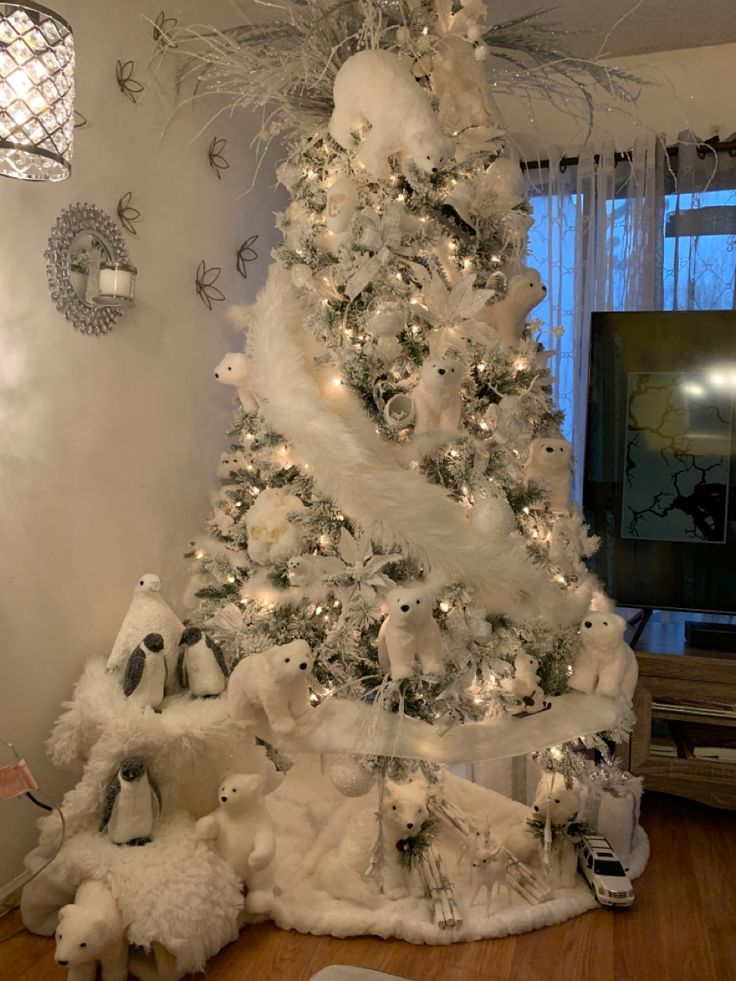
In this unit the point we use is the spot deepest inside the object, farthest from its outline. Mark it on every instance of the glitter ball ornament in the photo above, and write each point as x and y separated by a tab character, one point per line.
349	776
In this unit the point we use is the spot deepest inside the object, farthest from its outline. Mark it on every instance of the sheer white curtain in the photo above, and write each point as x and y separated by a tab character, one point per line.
650	231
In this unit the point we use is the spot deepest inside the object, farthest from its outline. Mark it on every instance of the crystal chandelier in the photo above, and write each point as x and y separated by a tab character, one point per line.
36	93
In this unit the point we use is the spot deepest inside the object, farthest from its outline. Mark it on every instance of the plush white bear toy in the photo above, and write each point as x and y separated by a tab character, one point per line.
410	633
341	871
525	686
272	686
233	370
271	536
91	932
437	398
375	87
557	806
508	316
550	464
605	664
240	830
230	463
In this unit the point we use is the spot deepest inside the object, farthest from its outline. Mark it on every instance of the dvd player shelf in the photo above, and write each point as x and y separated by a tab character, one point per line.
685	705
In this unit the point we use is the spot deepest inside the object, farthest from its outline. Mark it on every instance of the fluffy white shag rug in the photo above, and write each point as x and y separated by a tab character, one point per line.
306	808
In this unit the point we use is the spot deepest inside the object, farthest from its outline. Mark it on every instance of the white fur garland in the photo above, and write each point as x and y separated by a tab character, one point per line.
329	430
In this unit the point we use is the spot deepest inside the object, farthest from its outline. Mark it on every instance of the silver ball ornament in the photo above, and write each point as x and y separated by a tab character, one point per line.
349	776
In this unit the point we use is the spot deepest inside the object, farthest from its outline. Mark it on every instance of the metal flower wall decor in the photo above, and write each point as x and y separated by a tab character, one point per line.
215	152
162	30
127	214
245	254
128	85
205	281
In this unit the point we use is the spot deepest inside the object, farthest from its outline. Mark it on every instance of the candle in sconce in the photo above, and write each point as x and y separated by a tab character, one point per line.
116	286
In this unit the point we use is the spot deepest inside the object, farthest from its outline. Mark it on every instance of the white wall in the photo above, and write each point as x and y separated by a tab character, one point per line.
108	444
692	88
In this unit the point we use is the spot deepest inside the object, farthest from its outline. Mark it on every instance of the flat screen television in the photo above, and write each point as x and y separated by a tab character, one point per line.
660	471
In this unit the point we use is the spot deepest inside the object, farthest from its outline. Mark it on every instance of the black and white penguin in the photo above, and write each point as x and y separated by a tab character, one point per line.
201	666
132	804
145	672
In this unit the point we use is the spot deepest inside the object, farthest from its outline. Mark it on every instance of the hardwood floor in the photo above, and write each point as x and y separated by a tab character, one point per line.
682	927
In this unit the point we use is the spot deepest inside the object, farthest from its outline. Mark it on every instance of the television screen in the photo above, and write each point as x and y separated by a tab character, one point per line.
660	473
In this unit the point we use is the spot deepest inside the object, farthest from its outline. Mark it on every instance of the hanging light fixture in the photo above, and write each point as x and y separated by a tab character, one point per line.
36	93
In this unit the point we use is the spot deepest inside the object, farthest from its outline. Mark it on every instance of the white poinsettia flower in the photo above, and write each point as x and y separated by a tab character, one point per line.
362	566
444	307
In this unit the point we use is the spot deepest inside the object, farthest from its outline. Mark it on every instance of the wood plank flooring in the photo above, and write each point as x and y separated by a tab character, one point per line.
682	927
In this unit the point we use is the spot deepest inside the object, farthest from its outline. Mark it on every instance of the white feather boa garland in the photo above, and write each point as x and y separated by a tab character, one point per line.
328	429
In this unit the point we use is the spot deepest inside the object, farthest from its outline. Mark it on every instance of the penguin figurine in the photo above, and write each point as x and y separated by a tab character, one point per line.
132	804
201	666
145	675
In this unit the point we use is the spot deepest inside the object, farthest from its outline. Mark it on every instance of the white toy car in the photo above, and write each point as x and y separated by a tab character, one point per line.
603	872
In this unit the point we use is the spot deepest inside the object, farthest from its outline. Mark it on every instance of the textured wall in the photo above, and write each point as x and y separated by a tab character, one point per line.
108	444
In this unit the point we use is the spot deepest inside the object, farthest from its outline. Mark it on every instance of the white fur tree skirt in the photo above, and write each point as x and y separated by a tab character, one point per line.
310	815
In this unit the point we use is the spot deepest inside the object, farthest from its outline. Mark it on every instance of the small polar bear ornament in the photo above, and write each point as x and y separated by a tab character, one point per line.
437	400
230	463
90	932
550	464
526	688
410	633
374	87
272	686
309	570
508	316
240	829
233	370
605	664
271	536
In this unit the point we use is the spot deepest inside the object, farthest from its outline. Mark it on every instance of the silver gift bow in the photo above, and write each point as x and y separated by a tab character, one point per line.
381	235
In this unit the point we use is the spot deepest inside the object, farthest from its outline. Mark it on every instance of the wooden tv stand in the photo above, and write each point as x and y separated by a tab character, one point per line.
667	670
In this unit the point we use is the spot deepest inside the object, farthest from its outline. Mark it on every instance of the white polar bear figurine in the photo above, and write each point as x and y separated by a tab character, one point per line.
375	87
605	664
550	464
309	570
271	536
272	686
91	932
437	399
526	841
342	871
233	370
508	316
410	633
525	686
240	829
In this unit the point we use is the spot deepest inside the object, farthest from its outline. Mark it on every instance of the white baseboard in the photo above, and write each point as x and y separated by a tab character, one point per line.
10	893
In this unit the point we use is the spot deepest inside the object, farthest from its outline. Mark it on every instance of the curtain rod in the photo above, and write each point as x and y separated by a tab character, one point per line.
728	146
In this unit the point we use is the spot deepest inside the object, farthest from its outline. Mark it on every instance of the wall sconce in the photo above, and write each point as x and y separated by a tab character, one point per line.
91	278
36	93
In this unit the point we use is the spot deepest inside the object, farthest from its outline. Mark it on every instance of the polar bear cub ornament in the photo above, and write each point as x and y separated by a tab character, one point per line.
374	87
91	932
437	399
272	686
233	370
508	316
605	664
240	829
550	464
410	633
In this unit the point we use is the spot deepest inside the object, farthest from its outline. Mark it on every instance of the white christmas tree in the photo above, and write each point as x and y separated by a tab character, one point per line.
393	578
